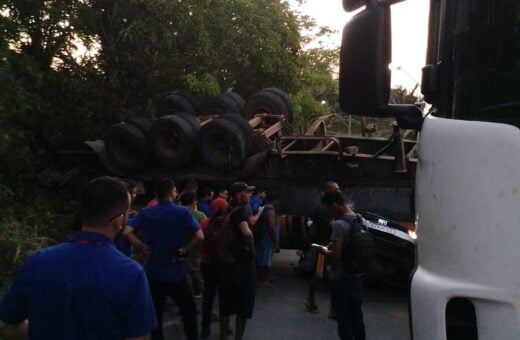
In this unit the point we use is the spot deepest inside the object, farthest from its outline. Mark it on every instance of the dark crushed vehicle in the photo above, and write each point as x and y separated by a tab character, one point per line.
395	250
394	246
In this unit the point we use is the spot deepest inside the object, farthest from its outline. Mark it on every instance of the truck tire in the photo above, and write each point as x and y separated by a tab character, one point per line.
141	123
266	102
237	98
172	140
190	119
193	100
173	103
222	103
286	99
247	130
127	146
222	144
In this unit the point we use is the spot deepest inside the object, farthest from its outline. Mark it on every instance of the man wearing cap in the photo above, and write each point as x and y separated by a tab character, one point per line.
84	288
237	282
165	227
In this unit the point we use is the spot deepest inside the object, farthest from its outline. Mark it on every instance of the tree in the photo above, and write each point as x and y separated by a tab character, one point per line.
41	109
318	82
149	48
140	50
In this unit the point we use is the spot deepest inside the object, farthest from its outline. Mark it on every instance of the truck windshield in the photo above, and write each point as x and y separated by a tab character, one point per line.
480	61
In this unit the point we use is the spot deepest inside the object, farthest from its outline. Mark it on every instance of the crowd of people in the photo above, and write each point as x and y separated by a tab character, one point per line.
193	245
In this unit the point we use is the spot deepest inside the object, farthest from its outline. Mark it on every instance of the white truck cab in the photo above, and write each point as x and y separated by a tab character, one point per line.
466	284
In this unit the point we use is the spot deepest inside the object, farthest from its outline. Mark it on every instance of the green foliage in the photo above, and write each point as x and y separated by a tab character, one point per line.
306	107
28	222
202	86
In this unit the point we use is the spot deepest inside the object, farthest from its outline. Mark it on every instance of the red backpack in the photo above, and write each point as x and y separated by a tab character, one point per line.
220	240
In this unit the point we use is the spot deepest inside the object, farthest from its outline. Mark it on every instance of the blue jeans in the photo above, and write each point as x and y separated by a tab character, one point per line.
346	296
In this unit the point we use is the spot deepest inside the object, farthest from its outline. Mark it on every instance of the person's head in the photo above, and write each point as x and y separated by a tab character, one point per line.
104	205
335	203
261	192
191	185
241	193
207	194
189	199
219	206
223	193
331	186
165	190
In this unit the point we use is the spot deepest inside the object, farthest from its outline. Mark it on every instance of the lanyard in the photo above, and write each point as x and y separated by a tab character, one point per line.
97	243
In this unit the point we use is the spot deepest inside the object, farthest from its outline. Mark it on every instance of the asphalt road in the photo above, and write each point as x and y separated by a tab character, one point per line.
280	313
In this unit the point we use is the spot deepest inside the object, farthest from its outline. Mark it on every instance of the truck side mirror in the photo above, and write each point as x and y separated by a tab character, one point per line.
365	55
364	75
352	5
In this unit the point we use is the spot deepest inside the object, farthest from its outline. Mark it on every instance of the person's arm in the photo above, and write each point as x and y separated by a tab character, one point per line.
254	218
247	236
136	223
198	236
139	245
326	250
16	331
194	227
335	246
271	222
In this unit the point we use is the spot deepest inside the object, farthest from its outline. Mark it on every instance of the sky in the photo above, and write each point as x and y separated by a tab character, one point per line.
409	33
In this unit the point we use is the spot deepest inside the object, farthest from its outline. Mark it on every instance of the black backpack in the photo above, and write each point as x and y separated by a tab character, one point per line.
220	241
357	254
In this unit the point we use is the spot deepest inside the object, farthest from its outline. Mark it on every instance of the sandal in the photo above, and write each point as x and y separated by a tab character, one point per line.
311	309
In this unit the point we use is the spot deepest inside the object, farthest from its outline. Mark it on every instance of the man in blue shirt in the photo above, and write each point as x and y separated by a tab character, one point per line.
257	200
84	288
165	228
204	203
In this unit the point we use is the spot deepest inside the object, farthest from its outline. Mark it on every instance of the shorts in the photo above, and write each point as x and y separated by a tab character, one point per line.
264	255
237	290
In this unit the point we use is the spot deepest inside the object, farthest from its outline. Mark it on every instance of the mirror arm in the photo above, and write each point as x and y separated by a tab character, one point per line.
390	2
407	116
371	3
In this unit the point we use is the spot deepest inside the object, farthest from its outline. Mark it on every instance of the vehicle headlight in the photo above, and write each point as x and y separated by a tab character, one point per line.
412	234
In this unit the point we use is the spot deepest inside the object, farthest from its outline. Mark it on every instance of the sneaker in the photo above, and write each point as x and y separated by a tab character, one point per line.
311	308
